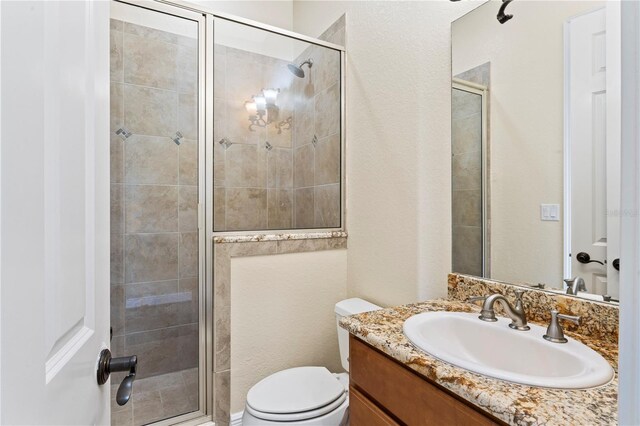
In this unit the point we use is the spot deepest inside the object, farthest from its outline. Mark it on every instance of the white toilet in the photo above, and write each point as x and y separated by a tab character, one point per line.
306	395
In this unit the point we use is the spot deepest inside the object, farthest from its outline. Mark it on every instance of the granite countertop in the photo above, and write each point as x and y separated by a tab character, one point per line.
513	403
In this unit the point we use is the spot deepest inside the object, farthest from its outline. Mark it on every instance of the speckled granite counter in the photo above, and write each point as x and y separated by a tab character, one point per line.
513	403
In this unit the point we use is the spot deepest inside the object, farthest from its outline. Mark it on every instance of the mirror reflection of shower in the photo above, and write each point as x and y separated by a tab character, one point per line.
297	69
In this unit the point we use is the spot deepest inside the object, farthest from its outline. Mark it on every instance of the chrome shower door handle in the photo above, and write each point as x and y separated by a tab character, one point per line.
108	365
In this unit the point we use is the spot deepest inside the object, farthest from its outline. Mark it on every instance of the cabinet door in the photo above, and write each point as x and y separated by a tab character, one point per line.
364	412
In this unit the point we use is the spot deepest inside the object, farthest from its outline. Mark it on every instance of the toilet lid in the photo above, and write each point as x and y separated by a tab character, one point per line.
295	390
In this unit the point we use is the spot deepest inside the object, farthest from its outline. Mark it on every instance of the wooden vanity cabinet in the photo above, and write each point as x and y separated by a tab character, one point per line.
383	392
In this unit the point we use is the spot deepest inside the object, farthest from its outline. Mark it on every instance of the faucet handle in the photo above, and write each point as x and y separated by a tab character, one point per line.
519	294
554	332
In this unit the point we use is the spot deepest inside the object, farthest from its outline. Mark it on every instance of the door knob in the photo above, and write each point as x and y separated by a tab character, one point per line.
583	257
108	365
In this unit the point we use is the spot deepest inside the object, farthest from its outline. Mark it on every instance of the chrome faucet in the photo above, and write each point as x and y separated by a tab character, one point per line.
554	332
575	284
516	313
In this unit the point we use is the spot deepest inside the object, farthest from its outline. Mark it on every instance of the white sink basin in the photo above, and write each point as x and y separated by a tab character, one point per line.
493	349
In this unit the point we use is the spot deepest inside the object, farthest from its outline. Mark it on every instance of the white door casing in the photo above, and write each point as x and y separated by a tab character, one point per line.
593	148
55	211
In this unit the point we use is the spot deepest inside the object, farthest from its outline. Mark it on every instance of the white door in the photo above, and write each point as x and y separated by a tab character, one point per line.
54	211
588	146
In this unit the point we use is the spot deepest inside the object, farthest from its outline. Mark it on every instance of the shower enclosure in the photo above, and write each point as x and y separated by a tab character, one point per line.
218	125
470	245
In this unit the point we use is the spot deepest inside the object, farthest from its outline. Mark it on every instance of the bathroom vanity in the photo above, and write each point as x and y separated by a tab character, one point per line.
385	392
393	382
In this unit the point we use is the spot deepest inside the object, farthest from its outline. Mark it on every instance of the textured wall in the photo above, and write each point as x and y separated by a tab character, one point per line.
282	315
154	198
398	143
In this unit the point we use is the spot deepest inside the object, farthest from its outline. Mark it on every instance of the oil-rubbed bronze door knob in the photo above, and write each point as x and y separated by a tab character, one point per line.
108	365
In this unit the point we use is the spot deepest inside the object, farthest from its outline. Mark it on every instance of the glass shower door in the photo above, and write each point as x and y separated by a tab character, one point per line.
156	260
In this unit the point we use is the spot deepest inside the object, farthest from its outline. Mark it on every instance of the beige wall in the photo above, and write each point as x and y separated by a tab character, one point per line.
526	125
282	315
398	143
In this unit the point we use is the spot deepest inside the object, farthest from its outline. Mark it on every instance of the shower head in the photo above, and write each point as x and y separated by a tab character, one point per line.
297	69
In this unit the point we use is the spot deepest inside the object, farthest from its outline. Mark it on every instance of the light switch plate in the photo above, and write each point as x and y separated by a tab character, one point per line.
550	212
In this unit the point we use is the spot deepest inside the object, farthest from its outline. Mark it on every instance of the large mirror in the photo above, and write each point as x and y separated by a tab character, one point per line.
535	145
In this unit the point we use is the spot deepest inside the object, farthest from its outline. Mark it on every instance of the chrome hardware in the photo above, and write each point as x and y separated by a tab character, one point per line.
554	332
574	285
108	365
516	313
177	138
476	298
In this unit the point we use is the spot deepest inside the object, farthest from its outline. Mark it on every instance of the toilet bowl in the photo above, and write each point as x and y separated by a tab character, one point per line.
306	395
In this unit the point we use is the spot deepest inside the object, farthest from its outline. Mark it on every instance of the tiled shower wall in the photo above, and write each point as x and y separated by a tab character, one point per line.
154	198
295	183
467	185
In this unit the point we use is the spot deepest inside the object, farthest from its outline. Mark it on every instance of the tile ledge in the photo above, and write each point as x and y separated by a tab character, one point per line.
277	237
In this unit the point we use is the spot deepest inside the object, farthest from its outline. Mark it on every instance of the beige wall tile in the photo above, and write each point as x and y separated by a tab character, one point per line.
191	285
117	310
189	254
303	166
188	162
466	134
220	121
187	69
327	206
116	159
188	208
241	169
219	209
164	350
280	163
327	112
150	33
246	209
303	121
116	116
467	208
219	164
151	208
303	208
151	160
151	257
467	250
150	111
149	62
188	115
327	160
222	337
117	208
466	171
220	72
222	385
280	209
117	259
115	56
155	305
115	25
327	68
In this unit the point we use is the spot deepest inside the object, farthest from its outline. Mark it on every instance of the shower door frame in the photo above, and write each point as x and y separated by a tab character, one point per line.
205	250
483	92
211	16
206	18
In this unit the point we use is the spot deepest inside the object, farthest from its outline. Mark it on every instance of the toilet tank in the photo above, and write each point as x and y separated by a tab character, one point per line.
345	308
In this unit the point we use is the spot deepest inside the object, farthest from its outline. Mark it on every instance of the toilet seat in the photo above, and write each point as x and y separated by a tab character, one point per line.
296	394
